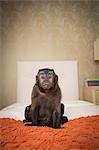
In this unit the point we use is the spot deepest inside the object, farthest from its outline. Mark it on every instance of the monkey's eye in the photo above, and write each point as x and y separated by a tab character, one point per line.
50	73
42	77
50	77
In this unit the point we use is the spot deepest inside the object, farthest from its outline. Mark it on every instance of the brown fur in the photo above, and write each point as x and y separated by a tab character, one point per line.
45	108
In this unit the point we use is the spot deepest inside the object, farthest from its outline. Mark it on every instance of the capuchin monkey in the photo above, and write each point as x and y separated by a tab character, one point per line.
46	108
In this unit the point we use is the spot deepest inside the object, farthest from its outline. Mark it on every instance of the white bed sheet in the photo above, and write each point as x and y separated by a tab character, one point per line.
73	109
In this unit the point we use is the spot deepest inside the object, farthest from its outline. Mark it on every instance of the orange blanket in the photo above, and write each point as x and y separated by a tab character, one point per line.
82	133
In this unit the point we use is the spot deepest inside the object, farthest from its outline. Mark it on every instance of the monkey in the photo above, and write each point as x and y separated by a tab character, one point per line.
46	108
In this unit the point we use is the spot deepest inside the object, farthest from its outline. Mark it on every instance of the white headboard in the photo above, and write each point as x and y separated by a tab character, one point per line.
67	72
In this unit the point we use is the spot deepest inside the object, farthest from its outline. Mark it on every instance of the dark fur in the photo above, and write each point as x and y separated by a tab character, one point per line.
46	108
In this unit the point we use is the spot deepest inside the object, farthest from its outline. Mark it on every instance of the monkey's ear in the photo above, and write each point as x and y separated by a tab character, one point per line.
37	79
56	78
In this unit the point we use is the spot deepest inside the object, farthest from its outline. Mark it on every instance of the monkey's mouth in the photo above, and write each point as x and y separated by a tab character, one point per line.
46	86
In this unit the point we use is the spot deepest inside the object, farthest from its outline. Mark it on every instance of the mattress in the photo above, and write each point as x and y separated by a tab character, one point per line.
73	109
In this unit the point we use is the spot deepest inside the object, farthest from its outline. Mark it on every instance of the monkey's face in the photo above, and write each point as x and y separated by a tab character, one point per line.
46	79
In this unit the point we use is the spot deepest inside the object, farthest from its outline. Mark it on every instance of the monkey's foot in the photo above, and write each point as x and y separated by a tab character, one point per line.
64	119
25	121
27	124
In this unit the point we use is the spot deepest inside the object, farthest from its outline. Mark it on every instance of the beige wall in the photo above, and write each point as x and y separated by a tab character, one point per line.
48	31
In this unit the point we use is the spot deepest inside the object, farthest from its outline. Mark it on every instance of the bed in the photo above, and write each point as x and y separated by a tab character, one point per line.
76	110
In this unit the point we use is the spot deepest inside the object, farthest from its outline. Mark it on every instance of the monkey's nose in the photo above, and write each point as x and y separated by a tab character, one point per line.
46	79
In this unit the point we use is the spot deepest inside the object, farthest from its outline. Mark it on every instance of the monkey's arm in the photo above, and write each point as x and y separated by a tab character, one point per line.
56	117
34	113
34	106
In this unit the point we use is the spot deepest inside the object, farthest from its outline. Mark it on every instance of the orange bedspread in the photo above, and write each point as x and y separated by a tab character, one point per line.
82	133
